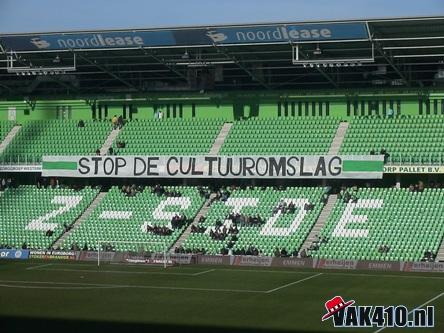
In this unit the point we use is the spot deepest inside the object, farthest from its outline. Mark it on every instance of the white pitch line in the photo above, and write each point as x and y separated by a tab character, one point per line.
204	272
418	307
116	272
131	286
36	267
292	283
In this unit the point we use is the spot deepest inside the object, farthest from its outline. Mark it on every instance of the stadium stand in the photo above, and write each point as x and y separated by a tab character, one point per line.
27	213
120	217
276	229
418	139
402	225
5	127
168	136
55	137
289	135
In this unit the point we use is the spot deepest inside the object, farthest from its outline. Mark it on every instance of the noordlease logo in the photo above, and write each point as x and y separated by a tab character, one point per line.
99	40
40	43
280	33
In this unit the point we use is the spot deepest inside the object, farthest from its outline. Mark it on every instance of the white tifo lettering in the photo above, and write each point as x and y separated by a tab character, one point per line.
239	203
348	217
269	230
160	214
69	202
97	40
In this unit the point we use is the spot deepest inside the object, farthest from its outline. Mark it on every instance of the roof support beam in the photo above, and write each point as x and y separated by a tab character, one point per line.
321	71
389	60
161	60
220	49
102	68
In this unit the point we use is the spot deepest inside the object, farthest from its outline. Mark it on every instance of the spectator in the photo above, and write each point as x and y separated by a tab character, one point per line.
110	151
97	151
114	121
120	121
81	123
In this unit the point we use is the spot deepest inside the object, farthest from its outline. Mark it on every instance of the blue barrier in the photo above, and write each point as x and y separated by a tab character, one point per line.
14	254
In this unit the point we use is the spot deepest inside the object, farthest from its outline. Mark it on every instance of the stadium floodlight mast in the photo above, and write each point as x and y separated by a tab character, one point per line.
13	57
147	243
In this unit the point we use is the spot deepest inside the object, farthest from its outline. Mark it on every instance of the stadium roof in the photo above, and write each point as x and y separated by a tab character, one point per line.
381	53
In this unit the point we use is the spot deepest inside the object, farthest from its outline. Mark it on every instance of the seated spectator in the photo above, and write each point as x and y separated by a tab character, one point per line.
114	121
97	151
81	123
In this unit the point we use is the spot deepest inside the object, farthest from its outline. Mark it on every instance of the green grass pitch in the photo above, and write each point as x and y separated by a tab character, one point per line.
80	297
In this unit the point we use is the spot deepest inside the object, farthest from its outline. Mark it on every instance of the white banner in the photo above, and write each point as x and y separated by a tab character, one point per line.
210	166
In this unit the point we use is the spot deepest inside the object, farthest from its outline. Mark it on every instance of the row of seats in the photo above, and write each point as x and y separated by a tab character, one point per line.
382	224
121	220
27	213
407	223
168	136
279	230
416	139
55	137
5	128
280	136
407	140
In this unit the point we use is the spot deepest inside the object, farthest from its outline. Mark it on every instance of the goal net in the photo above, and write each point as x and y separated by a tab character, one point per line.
149	253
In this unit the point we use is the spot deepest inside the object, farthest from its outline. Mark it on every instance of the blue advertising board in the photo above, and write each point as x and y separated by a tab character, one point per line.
14	254
184	37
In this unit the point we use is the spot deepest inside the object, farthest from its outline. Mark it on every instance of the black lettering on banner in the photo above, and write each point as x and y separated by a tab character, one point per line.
364	316
195	172
120	163
237	172
247	166
338	318
152	167
320	168
277	168
210	160
84	168
172	158
333	168
351	318
219	166
258	169
181	165
302	172
96	161
107	170
136	170
291	166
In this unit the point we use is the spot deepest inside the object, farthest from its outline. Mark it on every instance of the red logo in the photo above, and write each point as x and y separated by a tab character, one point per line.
334	305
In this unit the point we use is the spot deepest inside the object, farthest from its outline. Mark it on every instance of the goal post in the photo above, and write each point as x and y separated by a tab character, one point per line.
137	252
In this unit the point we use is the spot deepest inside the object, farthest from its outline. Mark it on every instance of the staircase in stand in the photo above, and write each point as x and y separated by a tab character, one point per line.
339	138
440	254
12	133
203	212
87	213
220	138
320	223
109	141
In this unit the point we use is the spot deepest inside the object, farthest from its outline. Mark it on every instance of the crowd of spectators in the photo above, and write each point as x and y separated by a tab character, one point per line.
5	183
429	256
348	195
131	190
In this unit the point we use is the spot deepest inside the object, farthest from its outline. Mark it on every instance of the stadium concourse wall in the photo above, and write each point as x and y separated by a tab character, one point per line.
252	261
229	106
